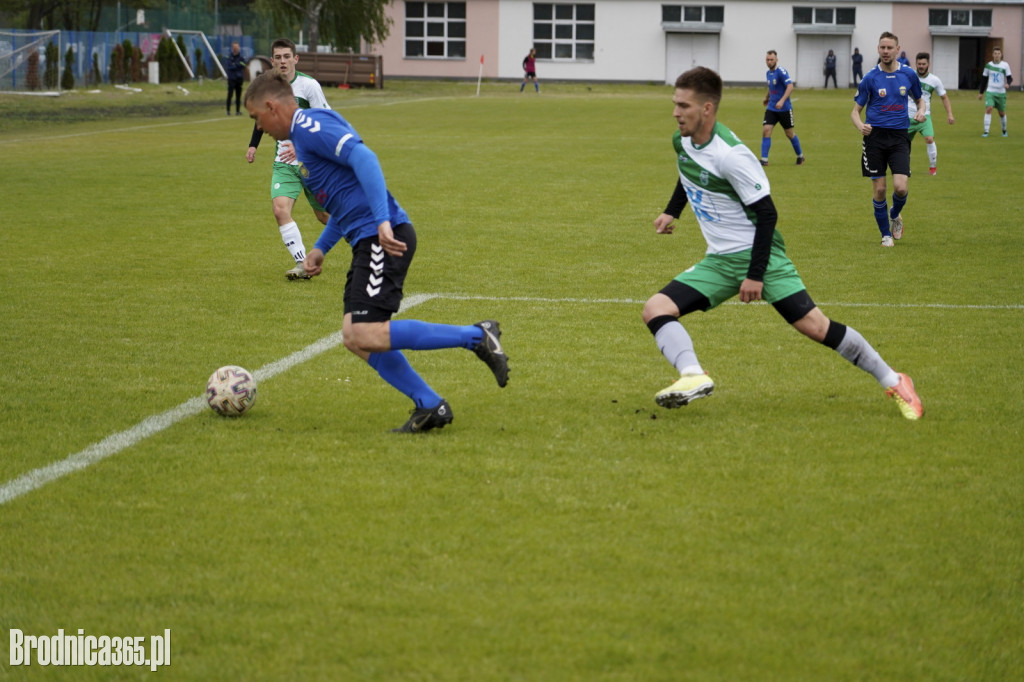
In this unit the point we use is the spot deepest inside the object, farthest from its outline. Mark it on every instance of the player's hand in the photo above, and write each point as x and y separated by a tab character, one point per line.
314	262
865	129
950	119
250	155
979	96
919	116
750	290
387	240
287	152
663	224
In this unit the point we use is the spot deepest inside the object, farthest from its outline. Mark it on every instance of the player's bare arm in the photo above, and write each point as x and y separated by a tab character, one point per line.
860	125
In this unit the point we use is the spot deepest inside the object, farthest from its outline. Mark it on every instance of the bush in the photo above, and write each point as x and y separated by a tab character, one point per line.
200	64
52	66
67	81
97	77
116	74
32	73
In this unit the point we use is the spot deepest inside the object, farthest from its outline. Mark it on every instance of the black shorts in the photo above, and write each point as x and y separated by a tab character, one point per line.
783	118
373	286
885	148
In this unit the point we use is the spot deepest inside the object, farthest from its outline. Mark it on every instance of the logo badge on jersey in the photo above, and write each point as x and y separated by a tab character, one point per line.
302	170
881	92
704	178
903	91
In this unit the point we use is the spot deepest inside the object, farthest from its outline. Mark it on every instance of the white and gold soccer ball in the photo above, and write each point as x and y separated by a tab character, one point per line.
231	391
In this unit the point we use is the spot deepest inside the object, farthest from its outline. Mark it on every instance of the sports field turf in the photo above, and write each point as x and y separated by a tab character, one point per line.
793	526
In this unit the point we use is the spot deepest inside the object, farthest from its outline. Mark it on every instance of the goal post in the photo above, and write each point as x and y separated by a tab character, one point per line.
170	33
26	65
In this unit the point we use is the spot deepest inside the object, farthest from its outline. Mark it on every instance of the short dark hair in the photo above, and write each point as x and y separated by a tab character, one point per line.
772	52
923	55
703	81
887	34
282	42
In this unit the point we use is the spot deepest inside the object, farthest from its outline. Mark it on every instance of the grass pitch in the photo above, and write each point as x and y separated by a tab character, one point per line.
791	527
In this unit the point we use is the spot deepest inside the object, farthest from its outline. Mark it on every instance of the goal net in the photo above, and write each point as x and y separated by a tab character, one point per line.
30	62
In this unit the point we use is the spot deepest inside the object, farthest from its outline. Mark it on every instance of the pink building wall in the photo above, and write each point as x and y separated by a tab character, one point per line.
481	15
910	22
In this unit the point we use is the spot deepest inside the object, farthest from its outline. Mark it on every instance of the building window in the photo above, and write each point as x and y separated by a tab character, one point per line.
827	16
704	14
435	30
960	17
563	32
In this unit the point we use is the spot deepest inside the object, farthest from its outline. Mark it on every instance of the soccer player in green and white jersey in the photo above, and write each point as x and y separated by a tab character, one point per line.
728	190
996	76
286	184
930	84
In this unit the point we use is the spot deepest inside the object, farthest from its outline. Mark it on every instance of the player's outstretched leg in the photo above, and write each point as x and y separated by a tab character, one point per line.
490	351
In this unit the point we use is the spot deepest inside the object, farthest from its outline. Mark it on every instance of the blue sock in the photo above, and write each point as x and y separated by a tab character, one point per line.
881	217
396	370
418	335
536	86
897	204
766	144
522	86
796	145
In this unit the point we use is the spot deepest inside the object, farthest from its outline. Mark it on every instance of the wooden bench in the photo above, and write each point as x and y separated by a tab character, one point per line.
343	69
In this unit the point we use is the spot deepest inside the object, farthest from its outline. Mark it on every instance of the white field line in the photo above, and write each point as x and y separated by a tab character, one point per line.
633	301
111	445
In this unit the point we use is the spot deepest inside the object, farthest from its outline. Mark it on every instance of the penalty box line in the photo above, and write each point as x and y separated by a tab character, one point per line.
113	444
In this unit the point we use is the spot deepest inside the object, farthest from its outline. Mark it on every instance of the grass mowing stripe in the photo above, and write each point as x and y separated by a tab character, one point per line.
115	443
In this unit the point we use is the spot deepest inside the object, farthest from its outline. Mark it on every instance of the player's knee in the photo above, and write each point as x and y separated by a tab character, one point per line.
659	305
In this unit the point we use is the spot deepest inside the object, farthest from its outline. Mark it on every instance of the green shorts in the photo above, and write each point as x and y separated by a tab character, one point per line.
925	128
718	277
996	100
286	182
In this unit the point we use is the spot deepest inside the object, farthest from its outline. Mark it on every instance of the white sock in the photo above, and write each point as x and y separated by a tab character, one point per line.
293	241
858	351
933	154
988	121
1002	120
677	347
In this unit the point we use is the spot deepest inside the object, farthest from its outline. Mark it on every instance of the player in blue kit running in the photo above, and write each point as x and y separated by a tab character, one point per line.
778	108
346	178
884	91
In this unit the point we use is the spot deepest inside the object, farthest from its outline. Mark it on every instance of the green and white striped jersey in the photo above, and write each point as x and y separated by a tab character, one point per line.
997	73
721	177
929	84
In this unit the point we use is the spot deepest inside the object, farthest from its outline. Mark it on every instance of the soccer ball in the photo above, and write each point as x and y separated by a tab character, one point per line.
231	391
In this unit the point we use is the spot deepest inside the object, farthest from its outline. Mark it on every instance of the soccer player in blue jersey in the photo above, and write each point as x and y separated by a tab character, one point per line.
346	178
778	108
883	92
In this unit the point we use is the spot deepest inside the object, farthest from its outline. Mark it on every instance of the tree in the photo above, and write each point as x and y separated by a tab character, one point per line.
342	23
52	66
67	81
